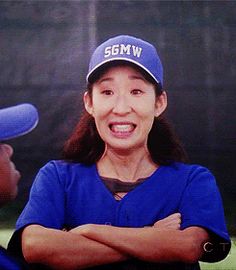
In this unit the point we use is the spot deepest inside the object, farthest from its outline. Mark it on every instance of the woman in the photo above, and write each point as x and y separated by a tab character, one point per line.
123	198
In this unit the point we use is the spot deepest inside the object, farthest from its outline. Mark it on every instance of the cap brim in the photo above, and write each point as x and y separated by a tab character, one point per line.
17	120
92	72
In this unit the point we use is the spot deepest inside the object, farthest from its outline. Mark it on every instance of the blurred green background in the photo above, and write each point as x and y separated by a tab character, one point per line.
45	48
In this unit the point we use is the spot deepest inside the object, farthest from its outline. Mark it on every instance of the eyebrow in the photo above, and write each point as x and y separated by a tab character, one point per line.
132	77
137	77
105	79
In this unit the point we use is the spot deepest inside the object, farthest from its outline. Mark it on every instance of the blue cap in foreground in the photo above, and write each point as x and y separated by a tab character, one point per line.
17	120
130	49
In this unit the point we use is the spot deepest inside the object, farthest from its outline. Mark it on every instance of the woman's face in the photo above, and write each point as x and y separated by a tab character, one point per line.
124	105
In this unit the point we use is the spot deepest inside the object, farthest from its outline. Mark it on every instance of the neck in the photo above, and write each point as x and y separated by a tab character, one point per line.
129	166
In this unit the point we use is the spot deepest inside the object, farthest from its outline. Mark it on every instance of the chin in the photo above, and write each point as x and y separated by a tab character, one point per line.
126	147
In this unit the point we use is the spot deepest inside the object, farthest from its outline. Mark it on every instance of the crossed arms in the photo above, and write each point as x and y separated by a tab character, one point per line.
90	245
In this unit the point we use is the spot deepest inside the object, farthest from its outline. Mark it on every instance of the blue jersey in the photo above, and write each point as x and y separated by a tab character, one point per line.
66	195
9	263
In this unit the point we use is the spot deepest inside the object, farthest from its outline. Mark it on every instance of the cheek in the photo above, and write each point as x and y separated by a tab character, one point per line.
100	121
101	109
147	125
146	119
146	111
99	117
5	170
9	176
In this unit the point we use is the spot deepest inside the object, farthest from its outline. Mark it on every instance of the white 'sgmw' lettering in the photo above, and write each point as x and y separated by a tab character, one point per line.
122	49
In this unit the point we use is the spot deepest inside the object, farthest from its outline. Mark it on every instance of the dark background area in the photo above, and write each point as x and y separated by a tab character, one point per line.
44	52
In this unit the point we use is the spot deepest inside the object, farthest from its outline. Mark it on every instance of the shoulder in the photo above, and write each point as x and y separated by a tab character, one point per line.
190	172
61	166
62	171
185	167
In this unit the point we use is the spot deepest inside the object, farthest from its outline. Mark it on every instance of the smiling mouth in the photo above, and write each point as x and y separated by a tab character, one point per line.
122	128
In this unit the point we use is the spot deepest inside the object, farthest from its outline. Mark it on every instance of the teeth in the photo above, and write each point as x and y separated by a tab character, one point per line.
122	128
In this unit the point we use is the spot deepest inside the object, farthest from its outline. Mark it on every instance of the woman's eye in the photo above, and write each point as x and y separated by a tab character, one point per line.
136	92
107	92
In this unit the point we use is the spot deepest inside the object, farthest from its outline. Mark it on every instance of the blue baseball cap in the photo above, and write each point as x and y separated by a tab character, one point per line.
17	120
130	49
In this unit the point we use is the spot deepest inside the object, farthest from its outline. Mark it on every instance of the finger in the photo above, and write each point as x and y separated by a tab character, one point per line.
174	216
173	220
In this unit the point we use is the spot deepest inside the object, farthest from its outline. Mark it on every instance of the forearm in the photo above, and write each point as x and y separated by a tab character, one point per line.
65	250
151	244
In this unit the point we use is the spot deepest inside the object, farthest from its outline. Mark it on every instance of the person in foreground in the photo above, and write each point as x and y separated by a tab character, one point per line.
15	121
123	196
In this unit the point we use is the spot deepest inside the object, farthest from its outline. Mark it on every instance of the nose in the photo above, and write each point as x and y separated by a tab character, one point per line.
8	149
122	105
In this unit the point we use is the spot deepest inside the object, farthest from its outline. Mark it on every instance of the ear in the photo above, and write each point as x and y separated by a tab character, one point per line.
88	103
161	104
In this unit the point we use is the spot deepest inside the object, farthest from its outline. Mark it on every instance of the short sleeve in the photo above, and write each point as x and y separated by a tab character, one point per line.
45	207
201	205
46	202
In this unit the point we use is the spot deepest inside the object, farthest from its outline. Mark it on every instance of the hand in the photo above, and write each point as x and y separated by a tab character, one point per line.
171	222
